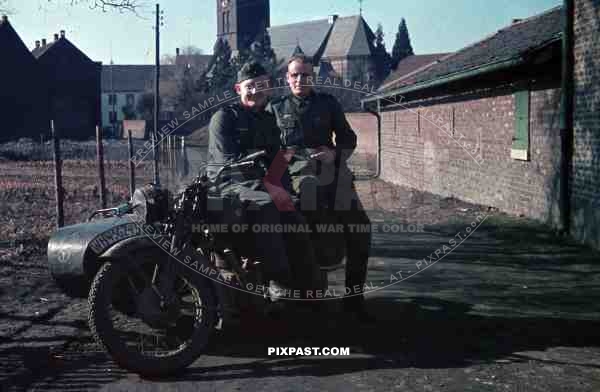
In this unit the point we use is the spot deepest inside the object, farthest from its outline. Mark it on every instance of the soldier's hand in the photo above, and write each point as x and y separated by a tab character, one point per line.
325	154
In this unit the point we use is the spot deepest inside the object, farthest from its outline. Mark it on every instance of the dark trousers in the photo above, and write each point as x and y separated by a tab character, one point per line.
288	256
339	196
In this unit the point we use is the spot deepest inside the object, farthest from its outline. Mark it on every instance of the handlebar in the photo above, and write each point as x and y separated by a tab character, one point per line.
118	211
317	155
248	160
308	153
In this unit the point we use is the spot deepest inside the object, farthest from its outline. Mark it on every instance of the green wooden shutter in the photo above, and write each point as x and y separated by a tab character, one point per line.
520	145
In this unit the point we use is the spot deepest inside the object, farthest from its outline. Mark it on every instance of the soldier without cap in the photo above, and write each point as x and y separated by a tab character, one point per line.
309	120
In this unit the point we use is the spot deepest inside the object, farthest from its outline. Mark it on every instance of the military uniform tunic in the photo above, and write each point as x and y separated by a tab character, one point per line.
310	122
307	123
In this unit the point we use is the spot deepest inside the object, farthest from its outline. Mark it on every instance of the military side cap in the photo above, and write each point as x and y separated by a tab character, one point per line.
251	70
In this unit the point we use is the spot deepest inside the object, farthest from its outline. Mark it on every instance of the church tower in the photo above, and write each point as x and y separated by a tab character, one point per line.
240	22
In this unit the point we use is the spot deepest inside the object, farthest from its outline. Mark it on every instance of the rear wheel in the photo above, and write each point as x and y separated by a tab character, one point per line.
143	330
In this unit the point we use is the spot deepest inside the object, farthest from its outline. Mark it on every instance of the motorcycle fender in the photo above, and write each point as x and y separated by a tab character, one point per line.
134	244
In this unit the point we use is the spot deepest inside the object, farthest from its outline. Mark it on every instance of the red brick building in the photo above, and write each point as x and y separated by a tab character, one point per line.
484	124
481	124
585	194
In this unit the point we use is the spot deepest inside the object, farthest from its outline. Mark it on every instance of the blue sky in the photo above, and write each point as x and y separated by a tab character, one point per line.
434	25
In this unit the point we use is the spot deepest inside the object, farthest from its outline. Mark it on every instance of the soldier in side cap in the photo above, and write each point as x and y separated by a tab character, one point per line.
238	130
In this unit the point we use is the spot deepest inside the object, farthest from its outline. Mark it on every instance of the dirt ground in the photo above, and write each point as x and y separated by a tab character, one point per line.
514	308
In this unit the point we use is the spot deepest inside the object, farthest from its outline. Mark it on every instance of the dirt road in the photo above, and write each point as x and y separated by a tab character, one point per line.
513	308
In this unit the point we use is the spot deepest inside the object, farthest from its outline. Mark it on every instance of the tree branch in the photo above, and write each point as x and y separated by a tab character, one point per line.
121	5
4	8
103	5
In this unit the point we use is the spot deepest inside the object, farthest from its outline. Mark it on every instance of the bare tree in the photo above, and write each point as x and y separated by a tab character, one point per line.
191	50
167	59
4	8
121	5
103	5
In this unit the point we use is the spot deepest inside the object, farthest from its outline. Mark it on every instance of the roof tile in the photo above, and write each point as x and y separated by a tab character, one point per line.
310	36
508	43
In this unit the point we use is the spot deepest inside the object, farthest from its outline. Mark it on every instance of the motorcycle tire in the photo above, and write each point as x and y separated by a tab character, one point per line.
102	302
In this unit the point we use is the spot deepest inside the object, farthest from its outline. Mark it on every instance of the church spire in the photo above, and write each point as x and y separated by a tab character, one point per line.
297	50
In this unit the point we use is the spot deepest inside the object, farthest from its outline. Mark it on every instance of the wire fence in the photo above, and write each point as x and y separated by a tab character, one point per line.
29	201
28	192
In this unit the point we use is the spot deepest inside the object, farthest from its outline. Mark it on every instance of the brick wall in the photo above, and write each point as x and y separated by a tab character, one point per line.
364	160
586	153
365	126
475	164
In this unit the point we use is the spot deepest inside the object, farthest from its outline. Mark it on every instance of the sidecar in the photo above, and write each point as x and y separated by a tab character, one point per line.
76	252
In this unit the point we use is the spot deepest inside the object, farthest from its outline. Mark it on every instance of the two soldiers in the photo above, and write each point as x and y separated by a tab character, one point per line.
304	119
238	130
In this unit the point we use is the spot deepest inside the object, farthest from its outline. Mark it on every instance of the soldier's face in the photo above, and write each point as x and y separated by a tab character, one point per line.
254	92
300	78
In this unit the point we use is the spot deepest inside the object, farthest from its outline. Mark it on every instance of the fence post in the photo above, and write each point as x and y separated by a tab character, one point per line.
172	150
168	147
155	158
60	218
184	159
175	155
131	165
100	161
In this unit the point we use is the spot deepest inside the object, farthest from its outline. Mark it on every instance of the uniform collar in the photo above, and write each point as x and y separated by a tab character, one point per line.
248	110
303	100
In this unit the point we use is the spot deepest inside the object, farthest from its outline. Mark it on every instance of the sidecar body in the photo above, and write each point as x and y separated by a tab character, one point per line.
76	252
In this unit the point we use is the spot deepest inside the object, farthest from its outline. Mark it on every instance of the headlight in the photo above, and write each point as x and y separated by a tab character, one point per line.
151	203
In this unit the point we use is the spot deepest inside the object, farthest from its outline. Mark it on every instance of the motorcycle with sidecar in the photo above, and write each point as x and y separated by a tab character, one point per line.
159	281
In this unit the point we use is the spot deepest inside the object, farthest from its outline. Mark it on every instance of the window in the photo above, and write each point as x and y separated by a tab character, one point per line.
166	115
112	99
112	117
225	21
130	99
520	144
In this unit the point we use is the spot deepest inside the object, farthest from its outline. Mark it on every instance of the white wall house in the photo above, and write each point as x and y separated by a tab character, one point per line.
112	107
123	85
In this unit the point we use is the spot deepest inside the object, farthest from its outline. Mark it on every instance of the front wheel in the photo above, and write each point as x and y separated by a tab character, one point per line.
142	330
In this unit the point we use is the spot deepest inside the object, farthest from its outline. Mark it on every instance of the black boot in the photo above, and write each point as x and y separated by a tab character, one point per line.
354	307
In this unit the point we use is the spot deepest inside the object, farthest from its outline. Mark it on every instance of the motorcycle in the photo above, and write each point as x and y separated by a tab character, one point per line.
159	280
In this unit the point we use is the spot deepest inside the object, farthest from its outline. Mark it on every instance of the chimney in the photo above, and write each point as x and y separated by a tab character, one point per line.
176	51
332	19
55	37
37	44
62	34
43	41
516	20
4	19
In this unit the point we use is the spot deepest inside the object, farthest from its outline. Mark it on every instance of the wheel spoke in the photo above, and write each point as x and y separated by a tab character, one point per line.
144	327
132	285
155	275
183	287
